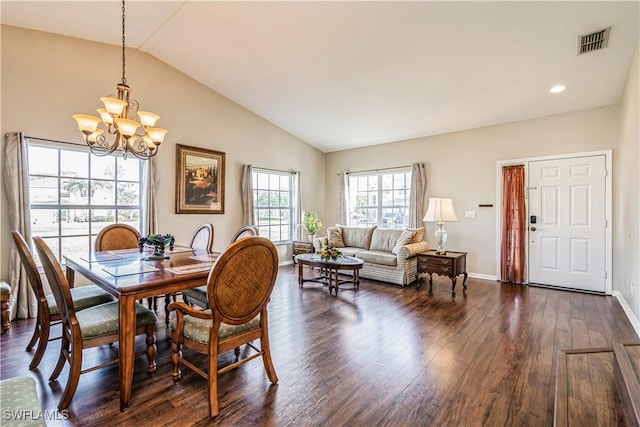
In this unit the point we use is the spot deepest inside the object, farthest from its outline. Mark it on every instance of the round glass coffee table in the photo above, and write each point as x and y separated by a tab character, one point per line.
329	270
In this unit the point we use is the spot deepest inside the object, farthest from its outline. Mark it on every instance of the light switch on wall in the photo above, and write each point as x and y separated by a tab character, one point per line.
470	214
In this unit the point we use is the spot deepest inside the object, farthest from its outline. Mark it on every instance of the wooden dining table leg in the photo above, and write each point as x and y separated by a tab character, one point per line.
127	347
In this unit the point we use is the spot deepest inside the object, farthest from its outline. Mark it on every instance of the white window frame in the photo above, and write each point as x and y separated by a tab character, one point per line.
374	211
55	240
285	231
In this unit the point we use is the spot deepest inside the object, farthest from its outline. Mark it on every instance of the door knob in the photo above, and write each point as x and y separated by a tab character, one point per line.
533	229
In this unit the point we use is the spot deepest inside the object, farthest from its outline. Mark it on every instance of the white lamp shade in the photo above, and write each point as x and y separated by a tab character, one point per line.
87	124
114	106
127	127
156	135
440	210
148	119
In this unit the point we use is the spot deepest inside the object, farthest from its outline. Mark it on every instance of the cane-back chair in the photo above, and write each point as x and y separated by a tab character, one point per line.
117	236
239	287
48	313
198	296
88	328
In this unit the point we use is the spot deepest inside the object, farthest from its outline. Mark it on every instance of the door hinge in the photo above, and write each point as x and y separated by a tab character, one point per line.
606	223
606	172
605	274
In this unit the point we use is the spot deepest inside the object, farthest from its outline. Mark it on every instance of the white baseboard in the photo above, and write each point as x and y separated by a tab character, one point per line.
627	310
483	276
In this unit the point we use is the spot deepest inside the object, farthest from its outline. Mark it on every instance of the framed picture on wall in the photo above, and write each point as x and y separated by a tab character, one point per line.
199	180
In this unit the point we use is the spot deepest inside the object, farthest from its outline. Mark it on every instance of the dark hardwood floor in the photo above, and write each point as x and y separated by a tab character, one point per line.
383	355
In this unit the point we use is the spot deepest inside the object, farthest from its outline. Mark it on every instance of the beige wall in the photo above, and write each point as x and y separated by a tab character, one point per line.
462	165
627	218
46	78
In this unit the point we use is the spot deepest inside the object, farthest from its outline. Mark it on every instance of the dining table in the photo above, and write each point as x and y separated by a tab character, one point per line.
128	275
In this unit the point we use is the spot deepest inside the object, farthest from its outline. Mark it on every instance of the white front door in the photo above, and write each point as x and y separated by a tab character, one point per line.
567	242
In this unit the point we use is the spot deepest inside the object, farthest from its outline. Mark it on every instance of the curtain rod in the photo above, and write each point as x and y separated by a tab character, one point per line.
273	170
381	169
53	140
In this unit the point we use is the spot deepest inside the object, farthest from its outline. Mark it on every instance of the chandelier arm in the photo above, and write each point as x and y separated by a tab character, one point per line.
134	106
140	149
102	147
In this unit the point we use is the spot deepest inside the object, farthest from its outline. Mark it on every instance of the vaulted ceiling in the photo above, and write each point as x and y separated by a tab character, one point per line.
340	75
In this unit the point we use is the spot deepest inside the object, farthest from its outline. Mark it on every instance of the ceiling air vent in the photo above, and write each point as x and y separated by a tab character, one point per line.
593	41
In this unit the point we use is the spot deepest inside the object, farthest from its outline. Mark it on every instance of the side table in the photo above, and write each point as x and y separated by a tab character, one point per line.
450	264
301	247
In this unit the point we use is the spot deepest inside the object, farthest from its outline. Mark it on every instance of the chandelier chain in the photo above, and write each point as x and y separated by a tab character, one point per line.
124	79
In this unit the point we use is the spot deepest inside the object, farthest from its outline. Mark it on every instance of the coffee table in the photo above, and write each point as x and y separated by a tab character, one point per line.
329	270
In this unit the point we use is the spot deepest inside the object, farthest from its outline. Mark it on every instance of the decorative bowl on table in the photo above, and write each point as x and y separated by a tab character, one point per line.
157	242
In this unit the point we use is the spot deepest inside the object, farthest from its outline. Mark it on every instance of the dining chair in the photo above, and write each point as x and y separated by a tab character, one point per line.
117	236
48	312
239	287
202	239
198	296
91	327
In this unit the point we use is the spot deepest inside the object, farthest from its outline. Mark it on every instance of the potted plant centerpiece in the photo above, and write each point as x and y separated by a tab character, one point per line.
312	224
157	242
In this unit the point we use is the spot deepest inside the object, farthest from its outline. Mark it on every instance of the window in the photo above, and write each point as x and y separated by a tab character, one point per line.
273	203
74	195
380	199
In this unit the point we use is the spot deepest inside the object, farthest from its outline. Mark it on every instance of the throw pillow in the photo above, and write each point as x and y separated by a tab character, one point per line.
334	235
405	238
419	237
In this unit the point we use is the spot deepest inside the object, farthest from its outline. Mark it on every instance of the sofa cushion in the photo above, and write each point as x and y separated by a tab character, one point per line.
419	237
357	236
350	251
378	257
405	238
384	239
334	236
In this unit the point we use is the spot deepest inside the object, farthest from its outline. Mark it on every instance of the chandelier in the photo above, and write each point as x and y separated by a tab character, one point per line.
140	138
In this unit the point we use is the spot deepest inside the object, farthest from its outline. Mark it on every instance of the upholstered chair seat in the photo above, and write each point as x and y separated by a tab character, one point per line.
197	329
19	395
83	297
103	319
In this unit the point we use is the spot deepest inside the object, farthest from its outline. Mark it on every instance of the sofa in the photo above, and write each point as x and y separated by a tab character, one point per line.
389	255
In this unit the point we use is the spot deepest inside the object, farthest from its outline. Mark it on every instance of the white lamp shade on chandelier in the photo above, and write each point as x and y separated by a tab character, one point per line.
120	130
440	210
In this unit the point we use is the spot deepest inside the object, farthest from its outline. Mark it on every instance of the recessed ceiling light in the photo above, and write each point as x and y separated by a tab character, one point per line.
557	89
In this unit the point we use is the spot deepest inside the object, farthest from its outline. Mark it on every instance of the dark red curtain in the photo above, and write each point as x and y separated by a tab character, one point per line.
514	223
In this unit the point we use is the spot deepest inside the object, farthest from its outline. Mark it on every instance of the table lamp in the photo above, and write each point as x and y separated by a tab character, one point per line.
440	210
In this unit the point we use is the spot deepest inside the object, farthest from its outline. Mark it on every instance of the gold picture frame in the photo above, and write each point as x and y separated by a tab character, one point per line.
199	180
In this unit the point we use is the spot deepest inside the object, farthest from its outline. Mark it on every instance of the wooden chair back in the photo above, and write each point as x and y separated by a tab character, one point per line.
246	231
30	267
242	279
59	287
117	236
203	238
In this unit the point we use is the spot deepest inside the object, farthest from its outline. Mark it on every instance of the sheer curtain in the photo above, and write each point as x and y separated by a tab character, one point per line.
416	197
512	259
343	199
16	182
150	187
248	214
